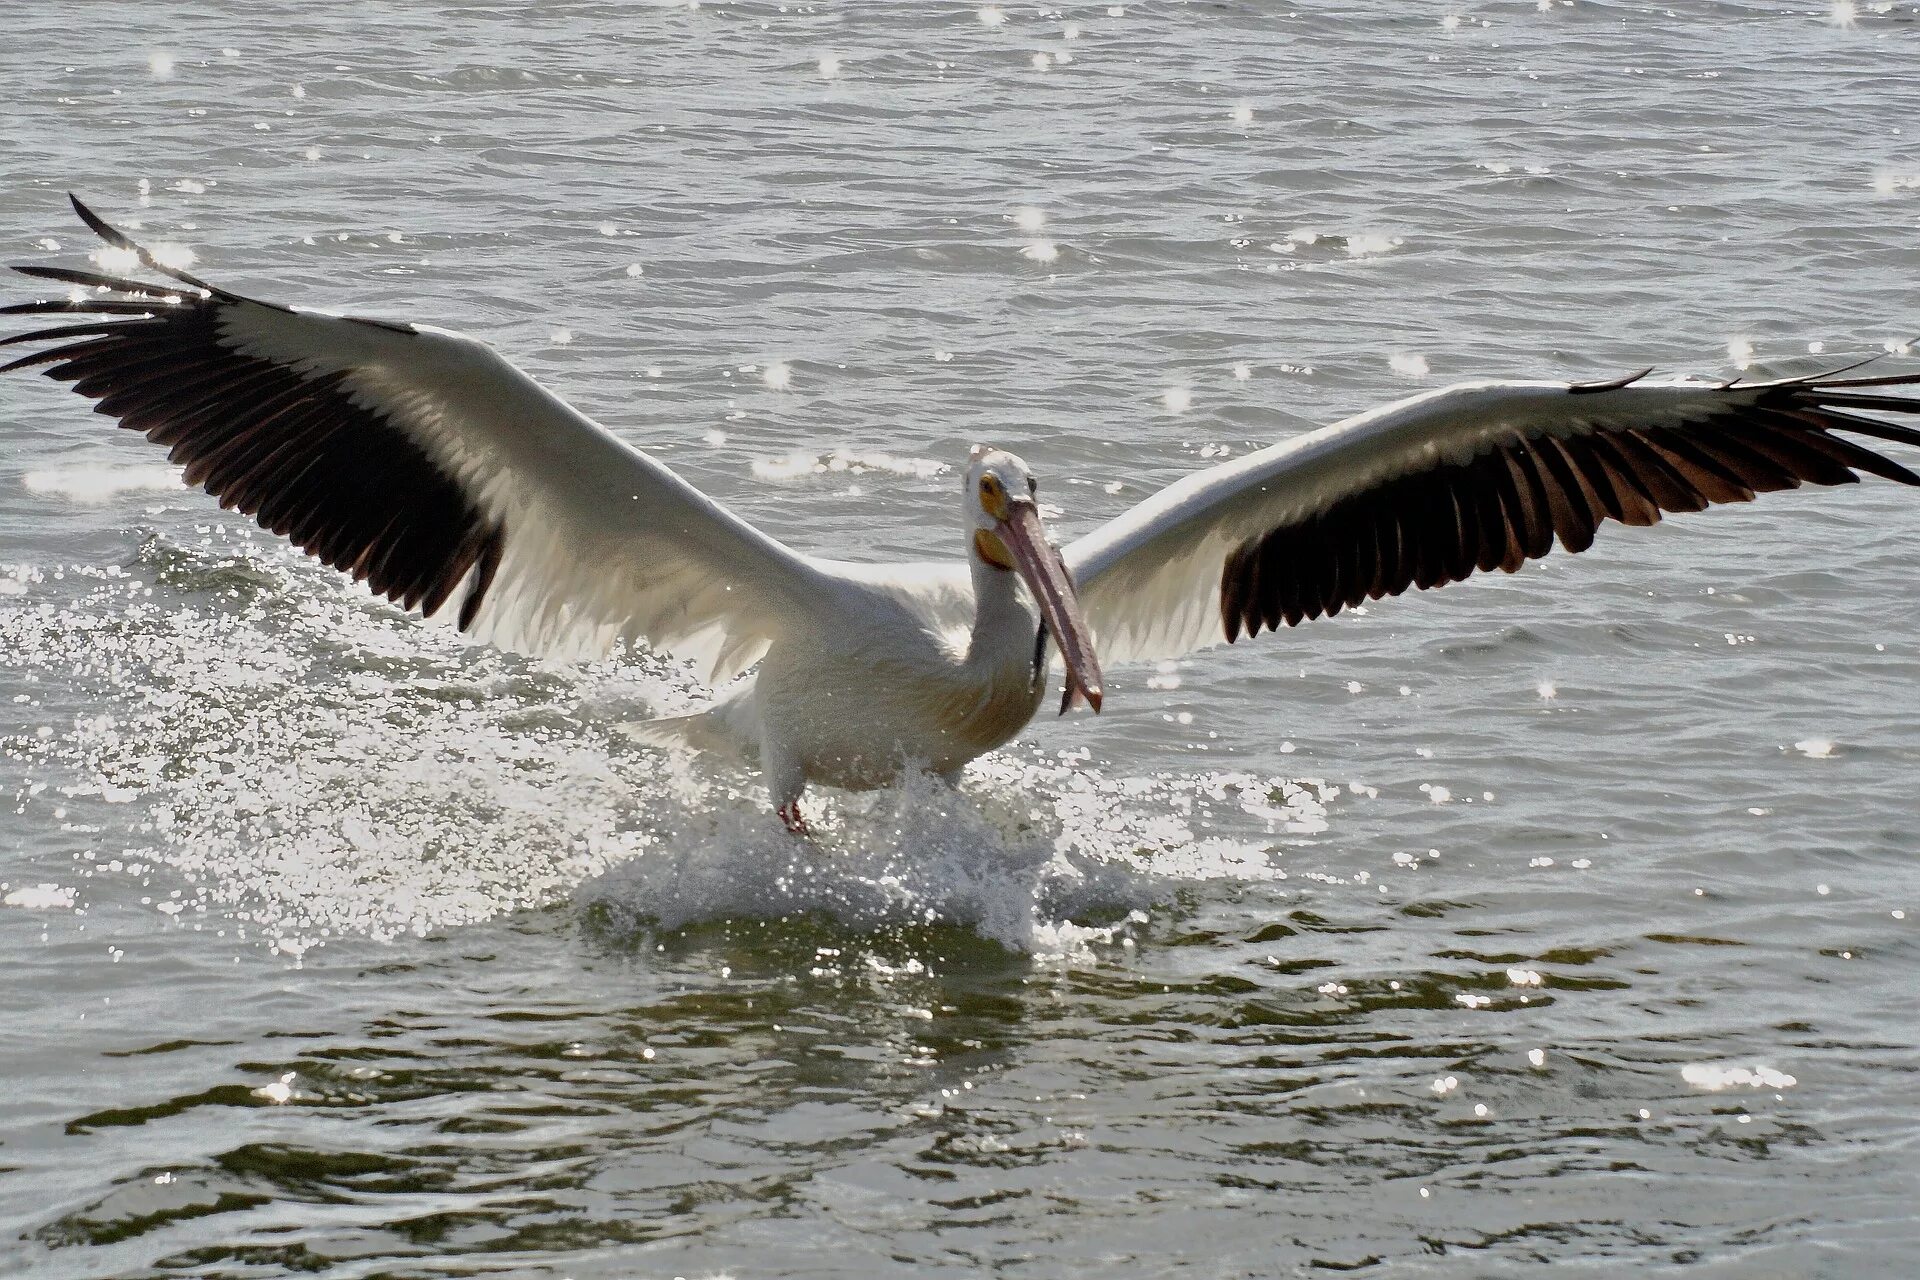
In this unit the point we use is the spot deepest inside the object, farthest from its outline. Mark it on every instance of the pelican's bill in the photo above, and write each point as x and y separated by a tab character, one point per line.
1046	576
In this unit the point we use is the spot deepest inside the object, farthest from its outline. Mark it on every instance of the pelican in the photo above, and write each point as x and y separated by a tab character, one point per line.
421	462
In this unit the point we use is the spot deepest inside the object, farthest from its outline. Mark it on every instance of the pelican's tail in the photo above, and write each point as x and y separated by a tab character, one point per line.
730	727
696	732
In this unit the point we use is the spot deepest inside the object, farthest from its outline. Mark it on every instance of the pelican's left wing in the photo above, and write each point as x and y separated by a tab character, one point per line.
1476	476
421	462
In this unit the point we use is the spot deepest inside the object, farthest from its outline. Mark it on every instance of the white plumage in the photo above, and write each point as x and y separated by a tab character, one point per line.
420	461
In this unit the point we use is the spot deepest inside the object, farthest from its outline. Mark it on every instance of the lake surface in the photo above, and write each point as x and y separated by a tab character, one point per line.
1572	916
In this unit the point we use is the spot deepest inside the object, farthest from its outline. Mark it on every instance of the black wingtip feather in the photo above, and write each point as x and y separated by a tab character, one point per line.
1610	384
28	361
70	330
101	227
95	280
488	565
84	307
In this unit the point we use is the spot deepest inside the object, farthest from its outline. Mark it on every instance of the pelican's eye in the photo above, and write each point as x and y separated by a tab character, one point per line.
993	496
1033	487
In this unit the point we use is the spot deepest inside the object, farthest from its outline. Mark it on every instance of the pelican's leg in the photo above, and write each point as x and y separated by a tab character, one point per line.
786	780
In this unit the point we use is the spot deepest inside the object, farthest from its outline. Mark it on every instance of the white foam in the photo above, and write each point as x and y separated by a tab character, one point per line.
1372	245
101	482
40	897
794	466
1715	1076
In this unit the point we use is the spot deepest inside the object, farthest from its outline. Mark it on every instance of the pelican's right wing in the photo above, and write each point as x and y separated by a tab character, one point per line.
422	462
1478	476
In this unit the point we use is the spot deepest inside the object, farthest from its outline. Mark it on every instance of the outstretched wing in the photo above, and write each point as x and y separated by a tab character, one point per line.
423	463
1472	477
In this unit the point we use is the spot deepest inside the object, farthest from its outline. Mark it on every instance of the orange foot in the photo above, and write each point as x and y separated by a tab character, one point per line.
790	814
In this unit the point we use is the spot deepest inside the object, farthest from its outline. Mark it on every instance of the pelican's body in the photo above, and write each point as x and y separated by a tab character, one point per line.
930	671
423	463
918	667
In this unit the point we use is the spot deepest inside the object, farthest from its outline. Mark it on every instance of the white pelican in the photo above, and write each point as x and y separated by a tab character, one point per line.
421	462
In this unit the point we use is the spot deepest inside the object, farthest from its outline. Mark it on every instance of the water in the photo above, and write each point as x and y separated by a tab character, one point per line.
1566	917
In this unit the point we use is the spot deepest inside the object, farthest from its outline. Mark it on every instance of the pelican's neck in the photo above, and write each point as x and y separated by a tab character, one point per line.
1000	617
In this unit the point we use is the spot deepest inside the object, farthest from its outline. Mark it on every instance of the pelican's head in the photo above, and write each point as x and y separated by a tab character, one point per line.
1008	537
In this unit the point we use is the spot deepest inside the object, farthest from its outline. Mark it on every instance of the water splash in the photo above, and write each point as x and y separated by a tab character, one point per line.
313	765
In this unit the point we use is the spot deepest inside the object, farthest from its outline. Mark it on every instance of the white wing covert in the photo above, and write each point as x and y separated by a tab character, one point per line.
423	463
1477	476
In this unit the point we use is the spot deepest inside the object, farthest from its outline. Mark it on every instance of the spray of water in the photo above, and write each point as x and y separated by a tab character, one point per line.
313	765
